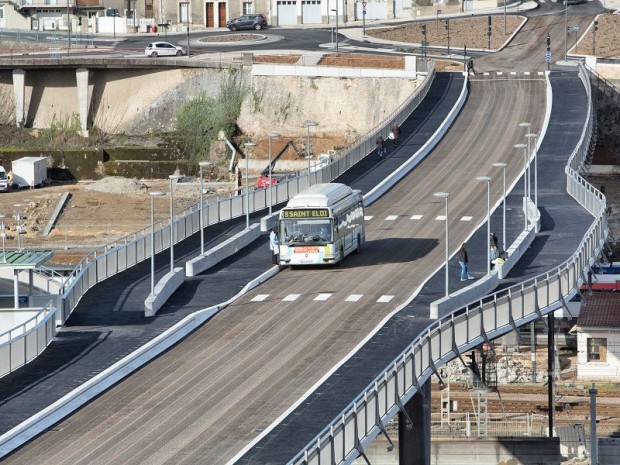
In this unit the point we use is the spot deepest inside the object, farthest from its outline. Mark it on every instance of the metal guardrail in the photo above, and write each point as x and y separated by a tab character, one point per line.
129	250
23	343
468	425
363	419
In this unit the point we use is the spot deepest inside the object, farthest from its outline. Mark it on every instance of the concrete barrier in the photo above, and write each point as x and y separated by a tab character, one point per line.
222	251
163	290
465	296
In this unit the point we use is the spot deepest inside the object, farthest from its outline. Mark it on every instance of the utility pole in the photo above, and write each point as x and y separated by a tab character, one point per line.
489	33
594	29
448	30
548	52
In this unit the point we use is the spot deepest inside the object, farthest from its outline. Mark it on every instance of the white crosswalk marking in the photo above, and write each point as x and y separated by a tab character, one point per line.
385	298
291	297
416	217
391	217
322	297
440	217
354	297
260	297
467	218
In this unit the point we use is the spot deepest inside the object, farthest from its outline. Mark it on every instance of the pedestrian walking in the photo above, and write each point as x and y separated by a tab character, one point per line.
470	66
274	244
381	147
493	254
463	261
493	240
395	132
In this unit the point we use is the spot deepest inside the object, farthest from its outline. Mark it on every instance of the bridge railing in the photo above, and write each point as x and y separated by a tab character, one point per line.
134	248
26	341
343	440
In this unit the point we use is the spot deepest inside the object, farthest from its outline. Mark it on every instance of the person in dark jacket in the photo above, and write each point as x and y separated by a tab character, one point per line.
463	261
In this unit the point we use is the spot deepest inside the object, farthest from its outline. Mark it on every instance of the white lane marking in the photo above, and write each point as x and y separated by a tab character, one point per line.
260	297
291	297
368	218
541	73
391	217
527	73
322	297
353	298
416	217
513	73
500	73
467	218
385	298
440	217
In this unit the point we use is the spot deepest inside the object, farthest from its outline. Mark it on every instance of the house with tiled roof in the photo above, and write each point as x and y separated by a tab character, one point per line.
598	337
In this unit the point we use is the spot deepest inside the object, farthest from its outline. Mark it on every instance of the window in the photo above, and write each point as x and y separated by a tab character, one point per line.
247	8
597	349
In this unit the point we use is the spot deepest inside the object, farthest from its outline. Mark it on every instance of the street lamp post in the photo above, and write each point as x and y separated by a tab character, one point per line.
202	164
502	165
445	195
530	136
524	148
487	179
153	195
528	177
3	234
271	135
248	147
565	29
336	11
309	124
172	177
17	216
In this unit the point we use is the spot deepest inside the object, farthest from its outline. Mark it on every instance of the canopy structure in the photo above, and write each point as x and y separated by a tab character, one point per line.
23	260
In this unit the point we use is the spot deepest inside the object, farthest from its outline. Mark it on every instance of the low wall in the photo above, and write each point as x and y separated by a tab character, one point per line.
222	251
517	451
163	291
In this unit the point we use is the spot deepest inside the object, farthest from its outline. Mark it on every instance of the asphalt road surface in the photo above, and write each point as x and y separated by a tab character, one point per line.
209	396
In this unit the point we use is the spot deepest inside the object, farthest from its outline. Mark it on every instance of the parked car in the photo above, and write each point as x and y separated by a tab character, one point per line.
161	49
247	22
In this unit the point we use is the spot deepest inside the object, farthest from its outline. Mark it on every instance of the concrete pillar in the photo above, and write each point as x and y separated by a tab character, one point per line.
16	288
81	76
30	286
414	444
19	91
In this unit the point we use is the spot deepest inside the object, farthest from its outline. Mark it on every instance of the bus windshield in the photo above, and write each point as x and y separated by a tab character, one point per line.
305	232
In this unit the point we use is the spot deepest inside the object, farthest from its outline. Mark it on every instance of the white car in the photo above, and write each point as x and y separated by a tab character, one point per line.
161	49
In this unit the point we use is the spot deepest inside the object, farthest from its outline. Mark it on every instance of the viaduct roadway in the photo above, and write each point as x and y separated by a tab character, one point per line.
211	395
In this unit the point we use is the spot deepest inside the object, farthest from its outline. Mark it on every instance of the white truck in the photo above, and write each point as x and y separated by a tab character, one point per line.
29	171
4	181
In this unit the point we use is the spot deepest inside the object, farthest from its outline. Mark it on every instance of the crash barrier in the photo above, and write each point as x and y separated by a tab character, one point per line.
127	251
343	440
25	341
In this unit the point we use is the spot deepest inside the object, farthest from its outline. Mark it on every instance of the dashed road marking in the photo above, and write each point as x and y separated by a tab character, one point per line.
354	297
391	217
291	297
368	218
385	298
260	297
322	297
416	217
440	217
467	218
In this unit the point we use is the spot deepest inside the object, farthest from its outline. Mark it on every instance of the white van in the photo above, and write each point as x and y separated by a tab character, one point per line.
4	181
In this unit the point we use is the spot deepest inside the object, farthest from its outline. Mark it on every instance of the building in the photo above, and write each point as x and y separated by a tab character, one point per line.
598	337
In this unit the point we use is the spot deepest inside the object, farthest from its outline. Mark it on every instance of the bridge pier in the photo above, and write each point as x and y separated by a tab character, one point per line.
414	438
19	91
81	77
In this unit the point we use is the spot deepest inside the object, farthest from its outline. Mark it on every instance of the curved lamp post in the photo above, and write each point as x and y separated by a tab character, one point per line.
202	165
445	195
248	147
524	148
271	135
502	165
153	195
309	124
487	179
172	177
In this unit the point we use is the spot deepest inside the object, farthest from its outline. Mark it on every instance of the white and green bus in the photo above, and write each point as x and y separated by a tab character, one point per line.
321	225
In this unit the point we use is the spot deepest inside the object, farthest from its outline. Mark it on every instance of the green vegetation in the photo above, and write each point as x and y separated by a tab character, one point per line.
200	121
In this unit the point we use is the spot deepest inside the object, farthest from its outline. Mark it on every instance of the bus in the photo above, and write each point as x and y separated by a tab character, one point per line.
321	225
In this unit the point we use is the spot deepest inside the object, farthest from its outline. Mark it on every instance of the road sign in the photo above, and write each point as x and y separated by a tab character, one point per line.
364	4
548	57
364	12
576	28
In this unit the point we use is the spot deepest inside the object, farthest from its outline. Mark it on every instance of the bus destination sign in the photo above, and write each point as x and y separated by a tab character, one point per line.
306	213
